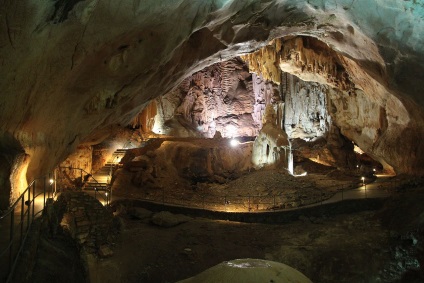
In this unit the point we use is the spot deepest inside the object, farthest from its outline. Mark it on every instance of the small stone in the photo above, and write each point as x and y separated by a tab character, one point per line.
105	251
167	219
187	250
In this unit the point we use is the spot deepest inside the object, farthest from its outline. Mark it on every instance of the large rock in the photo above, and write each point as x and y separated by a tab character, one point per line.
249	271
167	219
175	161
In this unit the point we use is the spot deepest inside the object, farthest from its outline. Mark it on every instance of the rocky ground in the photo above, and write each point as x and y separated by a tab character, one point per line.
265	189
385	245
362	247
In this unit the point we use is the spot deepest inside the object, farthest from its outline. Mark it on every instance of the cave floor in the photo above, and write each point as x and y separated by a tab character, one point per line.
342	248
370	246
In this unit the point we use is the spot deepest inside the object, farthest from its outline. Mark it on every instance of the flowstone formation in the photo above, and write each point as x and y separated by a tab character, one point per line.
362	108
223	97
72	69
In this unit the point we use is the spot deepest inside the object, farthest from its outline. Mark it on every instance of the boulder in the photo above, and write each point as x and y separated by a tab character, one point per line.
249	271
167	219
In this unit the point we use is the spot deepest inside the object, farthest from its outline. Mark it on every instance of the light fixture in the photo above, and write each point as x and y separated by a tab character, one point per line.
234	142
51	181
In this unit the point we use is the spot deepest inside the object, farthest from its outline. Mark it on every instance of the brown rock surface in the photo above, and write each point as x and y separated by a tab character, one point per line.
360	102
71	69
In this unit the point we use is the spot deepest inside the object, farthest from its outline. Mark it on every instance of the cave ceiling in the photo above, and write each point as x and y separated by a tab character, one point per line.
71	70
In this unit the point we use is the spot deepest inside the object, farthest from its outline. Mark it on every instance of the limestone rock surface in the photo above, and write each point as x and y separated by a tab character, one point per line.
249	271
181	162
71	69
223	97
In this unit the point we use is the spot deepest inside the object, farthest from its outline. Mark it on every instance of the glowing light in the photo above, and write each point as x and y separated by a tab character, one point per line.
357	149
51	181
231	130
300	175
234	142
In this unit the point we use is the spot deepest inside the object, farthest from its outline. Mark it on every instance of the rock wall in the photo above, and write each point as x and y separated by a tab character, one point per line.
181	162
87	221
72	69
363	108
306	111
81	158
223	97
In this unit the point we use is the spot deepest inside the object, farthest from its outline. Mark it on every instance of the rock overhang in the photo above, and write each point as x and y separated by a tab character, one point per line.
77	76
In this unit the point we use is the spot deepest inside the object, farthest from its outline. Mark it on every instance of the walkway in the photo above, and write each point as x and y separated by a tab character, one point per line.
227	208
381	188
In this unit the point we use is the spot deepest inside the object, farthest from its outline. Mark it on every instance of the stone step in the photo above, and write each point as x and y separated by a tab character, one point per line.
109	164
102	179
100	187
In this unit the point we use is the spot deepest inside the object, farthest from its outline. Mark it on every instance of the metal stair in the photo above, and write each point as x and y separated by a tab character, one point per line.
100	180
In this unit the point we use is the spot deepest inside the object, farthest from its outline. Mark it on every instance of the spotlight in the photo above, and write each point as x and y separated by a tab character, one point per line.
234	142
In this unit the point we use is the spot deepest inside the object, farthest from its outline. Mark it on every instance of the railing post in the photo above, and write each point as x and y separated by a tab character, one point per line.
365	190
163	196
225	203
12	232
29	207
274	203
249	202
259	201
22	218
44	192
110	193
55	182
33	200
81	179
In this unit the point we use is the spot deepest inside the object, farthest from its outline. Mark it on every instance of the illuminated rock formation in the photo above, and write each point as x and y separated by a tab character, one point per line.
365	110
167	163
217	98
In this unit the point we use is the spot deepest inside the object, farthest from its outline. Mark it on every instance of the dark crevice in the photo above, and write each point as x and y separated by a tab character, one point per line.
62	9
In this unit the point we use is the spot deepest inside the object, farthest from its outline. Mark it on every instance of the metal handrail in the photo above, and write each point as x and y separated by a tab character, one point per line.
14	245
257	202
107	189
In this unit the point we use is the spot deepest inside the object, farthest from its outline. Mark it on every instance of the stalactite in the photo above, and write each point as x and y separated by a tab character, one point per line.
299	55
